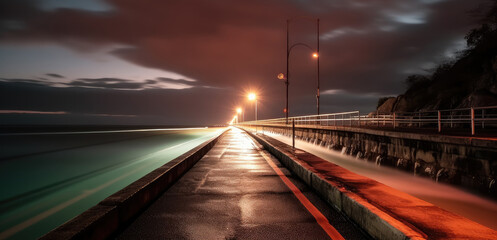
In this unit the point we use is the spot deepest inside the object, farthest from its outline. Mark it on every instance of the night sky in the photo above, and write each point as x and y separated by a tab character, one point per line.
193	62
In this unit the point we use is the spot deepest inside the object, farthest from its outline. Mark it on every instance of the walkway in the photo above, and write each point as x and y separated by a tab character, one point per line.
239	191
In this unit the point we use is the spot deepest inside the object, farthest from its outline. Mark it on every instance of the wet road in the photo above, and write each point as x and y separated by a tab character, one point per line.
470	205
239	191
48	178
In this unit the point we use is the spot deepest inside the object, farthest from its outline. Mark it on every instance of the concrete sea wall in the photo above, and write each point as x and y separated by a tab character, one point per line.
381	211
464	161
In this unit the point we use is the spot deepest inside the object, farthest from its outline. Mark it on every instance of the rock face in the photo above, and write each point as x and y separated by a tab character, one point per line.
470	88
388	105
479	98
469	81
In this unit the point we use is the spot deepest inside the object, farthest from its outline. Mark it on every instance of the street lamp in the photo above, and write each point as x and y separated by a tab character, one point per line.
288	50
253	97
239	110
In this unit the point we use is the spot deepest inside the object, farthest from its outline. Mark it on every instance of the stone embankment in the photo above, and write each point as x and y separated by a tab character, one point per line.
381	211
463	161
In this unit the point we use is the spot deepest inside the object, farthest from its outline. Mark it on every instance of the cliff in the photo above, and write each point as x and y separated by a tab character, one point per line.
469	81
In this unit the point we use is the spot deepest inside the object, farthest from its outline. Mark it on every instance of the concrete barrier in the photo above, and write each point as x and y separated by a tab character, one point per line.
383	212
108	217
461	161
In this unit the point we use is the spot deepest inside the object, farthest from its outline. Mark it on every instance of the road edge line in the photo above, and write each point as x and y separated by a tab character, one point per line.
320	218
383	226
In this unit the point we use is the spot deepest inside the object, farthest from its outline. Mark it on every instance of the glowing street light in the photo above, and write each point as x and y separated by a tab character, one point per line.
315	55
253	97
239	111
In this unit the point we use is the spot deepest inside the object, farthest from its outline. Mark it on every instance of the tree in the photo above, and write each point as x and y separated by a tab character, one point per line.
488	21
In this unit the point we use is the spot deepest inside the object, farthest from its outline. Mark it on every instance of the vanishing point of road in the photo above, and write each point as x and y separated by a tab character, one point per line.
239	191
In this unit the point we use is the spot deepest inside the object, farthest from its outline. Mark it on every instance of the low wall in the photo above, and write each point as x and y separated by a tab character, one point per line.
463	161
383	212
108	217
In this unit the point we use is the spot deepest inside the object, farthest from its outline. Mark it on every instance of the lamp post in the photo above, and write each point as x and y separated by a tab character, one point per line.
288	51
239	110
253	97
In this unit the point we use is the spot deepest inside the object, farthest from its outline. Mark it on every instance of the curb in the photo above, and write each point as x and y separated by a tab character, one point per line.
391	215
112	214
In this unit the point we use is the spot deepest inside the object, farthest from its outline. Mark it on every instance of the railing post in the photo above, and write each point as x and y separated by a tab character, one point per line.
359	119
293	133
439	122
350	120
472	121
377	119
394	116
451	120
419	120
483	118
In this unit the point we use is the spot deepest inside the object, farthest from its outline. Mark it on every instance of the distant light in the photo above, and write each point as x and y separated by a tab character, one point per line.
281	76
315	55
233	120
251	96
239	110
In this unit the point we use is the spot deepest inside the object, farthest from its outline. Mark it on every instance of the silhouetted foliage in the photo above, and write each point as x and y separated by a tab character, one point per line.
442	71
488	21
464	82
414	81
476	35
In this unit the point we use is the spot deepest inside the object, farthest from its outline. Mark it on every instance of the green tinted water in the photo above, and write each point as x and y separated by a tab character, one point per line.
38	192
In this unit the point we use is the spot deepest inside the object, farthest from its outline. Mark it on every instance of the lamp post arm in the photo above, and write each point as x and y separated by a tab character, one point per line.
299	44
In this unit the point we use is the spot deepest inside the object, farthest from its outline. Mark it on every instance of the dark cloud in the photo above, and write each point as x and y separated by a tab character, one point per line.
91	105
179	81
107	83
54	75
26	82
366	46
111	83
151	81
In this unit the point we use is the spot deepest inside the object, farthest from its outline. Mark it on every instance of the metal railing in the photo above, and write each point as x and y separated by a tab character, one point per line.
465	118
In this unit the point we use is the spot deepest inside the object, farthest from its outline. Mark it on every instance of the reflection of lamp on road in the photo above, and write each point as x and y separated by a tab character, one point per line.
239	111
253	97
